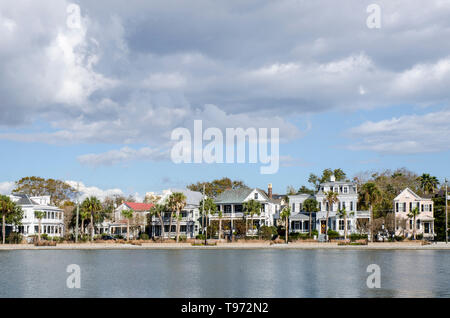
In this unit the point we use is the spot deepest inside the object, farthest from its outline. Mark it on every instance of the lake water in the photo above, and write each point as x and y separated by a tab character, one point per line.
224	273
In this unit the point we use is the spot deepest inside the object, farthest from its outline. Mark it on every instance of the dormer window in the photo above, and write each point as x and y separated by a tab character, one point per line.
256	195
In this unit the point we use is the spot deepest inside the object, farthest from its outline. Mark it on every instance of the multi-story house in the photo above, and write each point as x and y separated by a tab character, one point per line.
347	194
231	204
139	221
52	223
190	215
299	219
406	202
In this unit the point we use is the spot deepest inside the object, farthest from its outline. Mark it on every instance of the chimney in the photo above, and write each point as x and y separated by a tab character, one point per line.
269	190
333	178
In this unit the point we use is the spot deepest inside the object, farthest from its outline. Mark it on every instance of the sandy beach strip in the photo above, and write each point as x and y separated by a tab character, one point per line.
237	245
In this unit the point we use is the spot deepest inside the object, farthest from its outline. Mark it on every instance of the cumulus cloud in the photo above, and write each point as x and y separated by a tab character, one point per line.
87	191
136	70
6	187
405	135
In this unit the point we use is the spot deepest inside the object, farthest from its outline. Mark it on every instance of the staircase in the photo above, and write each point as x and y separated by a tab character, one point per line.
322	238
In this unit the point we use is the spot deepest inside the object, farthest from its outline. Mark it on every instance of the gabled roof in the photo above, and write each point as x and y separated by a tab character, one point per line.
24	199
409	191
233	195
138	207
193	198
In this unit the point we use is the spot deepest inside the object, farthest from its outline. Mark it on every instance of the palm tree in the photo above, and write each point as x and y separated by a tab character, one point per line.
252	207
413	215
7	207
343	214
158	210
177	202
93	206
285	214
331	198
210	208
310	205
84	216
428	183
370	196
39	215
128	214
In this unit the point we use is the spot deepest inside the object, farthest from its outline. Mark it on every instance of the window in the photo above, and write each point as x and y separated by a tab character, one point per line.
351	205
293	207
343	205
341	225
256	195
345	190
320	206
238	208
227	208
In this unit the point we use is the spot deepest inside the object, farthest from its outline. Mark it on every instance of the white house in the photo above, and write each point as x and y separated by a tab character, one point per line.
231	204
347	199
190	215
119	224
347	194
52	223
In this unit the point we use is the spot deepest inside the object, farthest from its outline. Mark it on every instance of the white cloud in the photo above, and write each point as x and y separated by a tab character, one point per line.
86	191
6	187
122	155
405	135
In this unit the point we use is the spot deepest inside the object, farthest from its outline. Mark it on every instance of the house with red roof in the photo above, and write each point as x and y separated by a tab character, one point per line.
138	223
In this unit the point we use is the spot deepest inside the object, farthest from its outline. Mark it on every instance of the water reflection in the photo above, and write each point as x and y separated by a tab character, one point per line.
225	273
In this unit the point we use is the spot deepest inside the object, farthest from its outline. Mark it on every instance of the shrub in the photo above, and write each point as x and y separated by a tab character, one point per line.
333	234
44	237
119	237
144	236
419	236
200	237
268	232
357	236
14	238
399	238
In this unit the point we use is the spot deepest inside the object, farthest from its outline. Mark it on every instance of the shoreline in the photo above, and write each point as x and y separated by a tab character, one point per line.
229	246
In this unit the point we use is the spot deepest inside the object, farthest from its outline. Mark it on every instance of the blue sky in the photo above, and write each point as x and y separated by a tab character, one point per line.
94	100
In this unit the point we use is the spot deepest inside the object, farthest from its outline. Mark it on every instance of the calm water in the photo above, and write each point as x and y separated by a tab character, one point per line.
225	273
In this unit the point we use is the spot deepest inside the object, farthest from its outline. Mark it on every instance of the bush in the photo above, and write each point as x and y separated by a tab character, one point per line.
14	238
144	236
333	234
268	232
182	238
419	236
399	238
119	237
200	237
44	237
357	236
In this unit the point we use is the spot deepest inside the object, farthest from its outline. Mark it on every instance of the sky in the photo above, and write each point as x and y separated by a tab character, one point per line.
94	100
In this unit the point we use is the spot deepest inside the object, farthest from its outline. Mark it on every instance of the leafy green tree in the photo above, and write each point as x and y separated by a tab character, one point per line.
285	214
305	190
216	187
93	206
252	207
10	212
331	198
369	196
176	202
59	191
290	190
39	215
413	215
128	214
344	214
310	205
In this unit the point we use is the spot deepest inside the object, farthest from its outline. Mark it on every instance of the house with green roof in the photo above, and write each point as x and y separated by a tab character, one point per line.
231	204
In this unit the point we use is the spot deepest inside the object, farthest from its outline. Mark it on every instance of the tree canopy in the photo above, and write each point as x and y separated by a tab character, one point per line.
216	187
59	191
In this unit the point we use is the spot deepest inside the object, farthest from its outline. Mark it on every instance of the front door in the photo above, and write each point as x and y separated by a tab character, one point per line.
323	225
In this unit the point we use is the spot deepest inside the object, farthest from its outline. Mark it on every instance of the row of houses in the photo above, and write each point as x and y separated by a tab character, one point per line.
231	205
